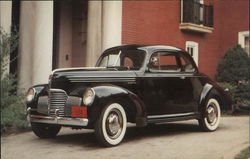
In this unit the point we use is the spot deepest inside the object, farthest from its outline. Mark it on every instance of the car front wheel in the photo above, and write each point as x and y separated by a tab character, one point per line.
45	130
211	115
111	126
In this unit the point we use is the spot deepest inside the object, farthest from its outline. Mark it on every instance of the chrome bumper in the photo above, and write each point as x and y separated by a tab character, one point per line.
56	120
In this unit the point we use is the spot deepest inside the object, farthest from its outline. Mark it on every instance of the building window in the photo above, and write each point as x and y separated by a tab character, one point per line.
243	40
196	16
195	11
193	49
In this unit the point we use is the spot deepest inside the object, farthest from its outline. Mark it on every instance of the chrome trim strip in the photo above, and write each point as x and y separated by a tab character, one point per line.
94	77
104	73
28	114
104	81
169	115
58	120
171	74
77	68
101	78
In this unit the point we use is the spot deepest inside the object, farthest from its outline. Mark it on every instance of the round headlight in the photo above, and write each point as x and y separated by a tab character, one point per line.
30	95
88	96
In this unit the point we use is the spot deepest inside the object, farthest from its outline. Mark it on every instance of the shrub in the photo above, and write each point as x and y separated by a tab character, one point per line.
232	88
233	72
12	103
234	66
242	96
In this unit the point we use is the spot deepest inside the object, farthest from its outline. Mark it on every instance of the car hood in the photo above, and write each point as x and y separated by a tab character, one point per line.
93	74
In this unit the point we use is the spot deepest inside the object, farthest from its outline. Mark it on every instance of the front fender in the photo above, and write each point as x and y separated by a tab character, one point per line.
109	93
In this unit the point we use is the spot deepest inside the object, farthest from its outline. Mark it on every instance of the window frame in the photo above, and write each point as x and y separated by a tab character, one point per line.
179	70
190	62
107	52
241	39
195	47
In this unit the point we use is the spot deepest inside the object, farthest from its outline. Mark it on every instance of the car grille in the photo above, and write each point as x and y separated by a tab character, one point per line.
57	100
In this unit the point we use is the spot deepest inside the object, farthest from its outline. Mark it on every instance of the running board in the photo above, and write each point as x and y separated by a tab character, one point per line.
172	117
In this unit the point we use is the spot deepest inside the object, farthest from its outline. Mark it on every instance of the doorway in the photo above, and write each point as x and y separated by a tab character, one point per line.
70	33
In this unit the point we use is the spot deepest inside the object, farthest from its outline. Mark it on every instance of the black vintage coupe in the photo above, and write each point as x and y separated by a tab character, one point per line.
130	83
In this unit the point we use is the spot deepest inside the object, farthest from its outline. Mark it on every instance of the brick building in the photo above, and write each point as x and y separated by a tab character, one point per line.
56	34
207	30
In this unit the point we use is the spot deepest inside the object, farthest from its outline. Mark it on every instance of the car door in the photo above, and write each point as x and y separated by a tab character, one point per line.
168	89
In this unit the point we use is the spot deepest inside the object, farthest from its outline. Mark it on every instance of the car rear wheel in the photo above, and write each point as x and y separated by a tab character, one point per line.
45	130
211	115
111	126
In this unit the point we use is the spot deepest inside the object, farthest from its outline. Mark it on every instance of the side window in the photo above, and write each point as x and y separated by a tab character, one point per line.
186	65
127	62
163	61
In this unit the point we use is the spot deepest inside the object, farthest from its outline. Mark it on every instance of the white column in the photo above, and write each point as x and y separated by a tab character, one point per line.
112	24
5	15
5	21
36	42
94	32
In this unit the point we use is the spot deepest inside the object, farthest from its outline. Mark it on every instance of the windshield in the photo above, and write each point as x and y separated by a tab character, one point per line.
126	59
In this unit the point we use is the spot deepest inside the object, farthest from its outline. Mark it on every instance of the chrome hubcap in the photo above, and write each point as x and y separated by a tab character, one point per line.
212	114
114	124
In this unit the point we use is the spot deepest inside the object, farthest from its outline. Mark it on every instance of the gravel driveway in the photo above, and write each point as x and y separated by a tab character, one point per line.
177	140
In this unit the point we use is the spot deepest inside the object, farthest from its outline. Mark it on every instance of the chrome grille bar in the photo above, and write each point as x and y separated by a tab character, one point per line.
57	101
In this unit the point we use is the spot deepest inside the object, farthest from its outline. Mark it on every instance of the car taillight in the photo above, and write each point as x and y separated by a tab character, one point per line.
79	112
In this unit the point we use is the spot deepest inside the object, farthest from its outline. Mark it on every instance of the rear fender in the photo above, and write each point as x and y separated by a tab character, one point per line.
210	91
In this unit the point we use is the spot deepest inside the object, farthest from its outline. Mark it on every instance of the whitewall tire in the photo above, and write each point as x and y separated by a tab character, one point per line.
210	115
111	126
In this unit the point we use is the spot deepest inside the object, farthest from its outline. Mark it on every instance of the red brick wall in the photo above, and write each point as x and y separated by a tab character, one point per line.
233	18
157	22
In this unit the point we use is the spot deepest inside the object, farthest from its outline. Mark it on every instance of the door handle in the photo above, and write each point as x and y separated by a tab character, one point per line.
182	77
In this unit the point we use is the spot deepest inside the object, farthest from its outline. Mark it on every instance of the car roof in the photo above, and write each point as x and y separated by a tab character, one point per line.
150	49
160	47
145	47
